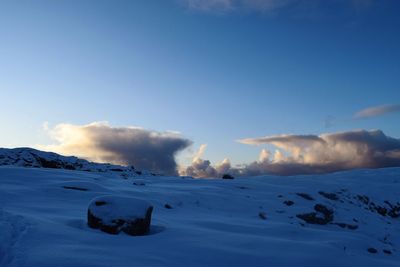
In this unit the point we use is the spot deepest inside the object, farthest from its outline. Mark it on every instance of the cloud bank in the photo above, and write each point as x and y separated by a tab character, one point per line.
377	111
310	154
293	155
144	149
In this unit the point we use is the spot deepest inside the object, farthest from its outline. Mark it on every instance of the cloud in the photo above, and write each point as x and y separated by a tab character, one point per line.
331	152
377	111
200	152
224	6
231	5
310	154
100	142
209	5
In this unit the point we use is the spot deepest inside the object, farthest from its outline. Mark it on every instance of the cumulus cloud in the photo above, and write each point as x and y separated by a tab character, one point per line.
377	111
100	142
330	152
310	154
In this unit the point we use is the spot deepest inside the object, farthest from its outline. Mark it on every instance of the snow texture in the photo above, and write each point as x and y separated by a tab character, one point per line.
203	222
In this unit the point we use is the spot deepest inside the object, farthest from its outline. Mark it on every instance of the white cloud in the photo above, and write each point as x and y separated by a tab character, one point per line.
377	111
308	154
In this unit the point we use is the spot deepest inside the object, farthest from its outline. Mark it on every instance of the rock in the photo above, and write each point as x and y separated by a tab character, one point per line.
386	251
305	196
75	188
315	217
113	214
227	176
288	202
372	250
168	206
364	199
331	196
262	215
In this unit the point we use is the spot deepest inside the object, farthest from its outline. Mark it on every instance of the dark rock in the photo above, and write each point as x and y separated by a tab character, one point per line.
262	215
168	206
288	202
364	199
113	214
305	196
321	216
381	210
387	252
331	196
100	203
372	250
227	176
75	188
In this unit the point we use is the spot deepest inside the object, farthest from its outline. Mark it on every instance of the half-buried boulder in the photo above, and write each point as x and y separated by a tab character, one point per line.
113	214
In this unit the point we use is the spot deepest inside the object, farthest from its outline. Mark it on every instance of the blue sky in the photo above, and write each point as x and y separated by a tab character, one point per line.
214	73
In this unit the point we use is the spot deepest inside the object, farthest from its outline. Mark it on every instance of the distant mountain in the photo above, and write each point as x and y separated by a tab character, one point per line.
29	157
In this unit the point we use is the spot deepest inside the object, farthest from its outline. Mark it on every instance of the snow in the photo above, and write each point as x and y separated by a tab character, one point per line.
210	222
29	157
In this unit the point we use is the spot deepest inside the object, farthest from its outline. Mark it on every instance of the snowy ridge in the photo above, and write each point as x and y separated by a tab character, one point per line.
342	219
29	157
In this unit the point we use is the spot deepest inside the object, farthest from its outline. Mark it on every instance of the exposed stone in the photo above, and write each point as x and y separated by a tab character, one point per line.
113	214
321	216
288	202
331	196
305	196
227	176
262	215
75	188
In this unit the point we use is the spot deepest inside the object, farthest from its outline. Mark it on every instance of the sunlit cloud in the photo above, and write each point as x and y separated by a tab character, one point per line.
100	142
293	154
377	111
310	154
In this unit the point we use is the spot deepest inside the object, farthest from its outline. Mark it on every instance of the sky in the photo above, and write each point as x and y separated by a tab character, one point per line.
200	79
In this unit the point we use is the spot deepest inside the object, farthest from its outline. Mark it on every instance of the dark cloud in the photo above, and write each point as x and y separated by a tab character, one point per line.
377	111
141	148
310	154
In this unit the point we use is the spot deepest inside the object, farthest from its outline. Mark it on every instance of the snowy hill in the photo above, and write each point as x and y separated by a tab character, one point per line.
342	219
29	157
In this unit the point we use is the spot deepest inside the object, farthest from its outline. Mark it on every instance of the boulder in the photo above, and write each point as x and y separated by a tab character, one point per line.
113	214
227	176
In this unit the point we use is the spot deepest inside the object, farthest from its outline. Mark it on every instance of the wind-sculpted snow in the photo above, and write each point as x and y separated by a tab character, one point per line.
342	219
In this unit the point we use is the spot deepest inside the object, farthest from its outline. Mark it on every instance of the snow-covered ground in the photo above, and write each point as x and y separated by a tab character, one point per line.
202	222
